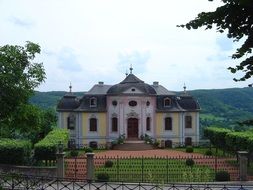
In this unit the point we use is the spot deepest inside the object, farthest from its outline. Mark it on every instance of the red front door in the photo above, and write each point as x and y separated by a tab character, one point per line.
132	128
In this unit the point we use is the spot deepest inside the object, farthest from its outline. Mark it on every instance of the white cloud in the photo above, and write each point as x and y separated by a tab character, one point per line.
104	37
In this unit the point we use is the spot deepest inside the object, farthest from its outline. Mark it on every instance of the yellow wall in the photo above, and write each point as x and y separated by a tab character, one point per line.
64	117
101	117
160	123
193	115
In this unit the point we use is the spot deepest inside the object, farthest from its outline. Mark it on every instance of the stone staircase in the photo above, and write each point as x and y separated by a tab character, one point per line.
133	145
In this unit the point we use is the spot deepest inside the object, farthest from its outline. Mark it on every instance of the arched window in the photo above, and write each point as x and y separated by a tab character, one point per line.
188	141
71	122
168	123
188	121
114	124
93	124
167	102
148	124
93	102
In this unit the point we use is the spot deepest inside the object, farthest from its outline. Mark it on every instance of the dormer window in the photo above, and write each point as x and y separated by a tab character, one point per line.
167	102
93	102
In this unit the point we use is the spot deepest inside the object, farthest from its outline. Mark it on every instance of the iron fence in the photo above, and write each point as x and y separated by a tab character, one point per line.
163	169
153	169
13	181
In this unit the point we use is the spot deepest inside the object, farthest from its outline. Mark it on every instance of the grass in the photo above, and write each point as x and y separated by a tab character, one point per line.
156	170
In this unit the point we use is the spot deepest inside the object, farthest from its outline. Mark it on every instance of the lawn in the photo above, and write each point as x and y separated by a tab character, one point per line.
156	171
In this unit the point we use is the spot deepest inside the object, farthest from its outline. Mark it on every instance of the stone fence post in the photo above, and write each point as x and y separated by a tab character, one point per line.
90	166
243	159
60	164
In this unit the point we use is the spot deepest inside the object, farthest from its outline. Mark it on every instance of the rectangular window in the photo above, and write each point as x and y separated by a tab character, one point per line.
168	123
188	121
148	124
93	124
71	121
114	124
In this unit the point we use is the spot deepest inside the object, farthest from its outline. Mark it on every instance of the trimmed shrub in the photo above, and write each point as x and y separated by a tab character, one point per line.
209	153
103	177
222	176
47	147
88	150
156	144
108	164
16	152
189	162
74	153
189	149
216	135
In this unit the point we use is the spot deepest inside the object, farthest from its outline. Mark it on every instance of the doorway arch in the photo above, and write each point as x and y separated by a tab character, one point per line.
132	128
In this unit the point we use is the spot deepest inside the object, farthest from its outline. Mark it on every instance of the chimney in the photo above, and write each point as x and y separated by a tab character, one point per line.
101	83
156	83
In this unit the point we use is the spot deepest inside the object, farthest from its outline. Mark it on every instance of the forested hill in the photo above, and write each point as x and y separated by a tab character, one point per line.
218	106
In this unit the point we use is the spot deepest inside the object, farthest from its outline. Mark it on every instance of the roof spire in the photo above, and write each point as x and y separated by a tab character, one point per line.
131	69
126	73
70	88
184	88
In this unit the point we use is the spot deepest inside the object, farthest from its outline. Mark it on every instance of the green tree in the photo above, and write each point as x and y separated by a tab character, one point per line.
19	75
234	17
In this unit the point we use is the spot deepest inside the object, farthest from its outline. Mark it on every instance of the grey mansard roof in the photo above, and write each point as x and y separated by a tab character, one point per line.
160	90
179	103
188	103
99	89
131	81
68	102
85	103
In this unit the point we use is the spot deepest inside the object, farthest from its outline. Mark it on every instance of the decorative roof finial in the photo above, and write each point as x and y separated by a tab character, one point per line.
131	69
184	88
70	88
126	73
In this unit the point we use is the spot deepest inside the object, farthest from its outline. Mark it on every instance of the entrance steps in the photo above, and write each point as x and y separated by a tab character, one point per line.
133	145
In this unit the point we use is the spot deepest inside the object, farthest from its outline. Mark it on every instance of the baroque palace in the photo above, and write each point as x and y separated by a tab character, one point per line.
131	108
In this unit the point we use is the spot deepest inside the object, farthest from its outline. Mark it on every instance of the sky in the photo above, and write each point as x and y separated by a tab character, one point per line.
87	41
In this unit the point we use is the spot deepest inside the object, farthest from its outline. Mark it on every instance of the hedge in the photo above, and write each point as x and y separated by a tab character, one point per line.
239	141
17	152
226	139
216	136
47	147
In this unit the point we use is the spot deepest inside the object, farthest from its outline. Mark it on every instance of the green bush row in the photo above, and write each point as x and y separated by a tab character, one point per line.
47	147
17	152
229	140
216	136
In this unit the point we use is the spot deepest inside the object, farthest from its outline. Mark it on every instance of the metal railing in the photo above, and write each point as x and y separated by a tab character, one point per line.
13	181
153	169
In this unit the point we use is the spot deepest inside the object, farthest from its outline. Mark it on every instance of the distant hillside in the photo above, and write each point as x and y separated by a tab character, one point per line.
224	106
218	106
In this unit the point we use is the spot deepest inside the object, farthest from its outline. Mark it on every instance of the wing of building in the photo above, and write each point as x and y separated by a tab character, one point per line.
131	108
